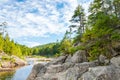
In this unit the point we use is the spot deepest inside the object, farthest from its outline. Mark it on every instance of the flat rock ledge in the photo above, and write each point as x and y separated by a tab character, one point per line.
10	66
76	67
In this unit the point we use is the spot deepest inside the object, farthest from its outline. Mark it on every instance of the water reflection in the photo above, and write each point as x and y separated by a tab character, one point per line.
19	74
6	75
22	73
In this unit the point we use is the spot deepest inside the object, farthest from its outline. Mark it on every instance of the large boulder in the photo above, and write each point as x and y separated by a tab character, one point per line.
7	64
101	73
76	67
115	61
68	59
116	49
38	69
73	73
59	60
13	61
103	60
59	68
18	61
79	56
66	71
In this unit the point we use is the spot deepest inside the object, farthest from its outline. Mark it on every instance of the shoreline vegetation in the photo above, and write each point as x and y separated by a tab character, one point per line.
89	50
11	63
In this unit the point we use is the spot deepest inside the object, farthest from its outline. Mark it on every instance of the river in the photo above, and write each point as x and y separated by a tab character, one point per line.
21	73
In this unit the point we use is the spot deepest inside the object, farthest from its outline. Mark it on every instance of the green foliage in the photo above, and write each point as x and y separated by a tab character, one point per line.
66	47
79	18
57	55
115	36
98	34
100	31
47	50
11	48
79	48
1	42
7	58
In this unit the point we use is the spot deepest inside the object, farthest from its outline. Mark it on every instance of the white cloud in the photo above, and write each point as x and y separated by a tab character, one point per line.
38	18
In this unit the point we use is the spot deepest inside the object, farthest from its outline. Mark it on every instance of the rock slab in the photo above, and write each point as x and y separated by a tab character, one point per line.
76	67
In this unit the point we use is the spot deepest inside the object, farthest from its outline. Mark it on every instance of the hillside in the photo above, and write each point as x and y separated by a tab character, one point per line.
47	50
11	48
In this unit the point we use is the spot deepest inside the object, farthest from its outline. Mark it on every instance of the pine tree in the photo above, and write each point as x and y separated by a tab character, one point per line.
1	43
79	18
99	38
7	44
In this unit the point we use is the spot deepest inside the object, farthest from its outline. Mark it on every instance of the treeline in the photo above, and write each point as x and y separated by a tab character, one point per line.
47	50
98	33
12	48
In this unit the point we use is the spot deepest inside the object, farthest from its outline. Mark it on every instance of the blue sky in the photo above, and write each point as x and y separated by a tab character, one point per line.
37	22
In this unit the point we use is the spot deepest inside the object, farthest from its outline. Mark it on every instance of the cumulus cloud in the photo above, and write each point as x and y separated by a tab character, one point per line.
38	18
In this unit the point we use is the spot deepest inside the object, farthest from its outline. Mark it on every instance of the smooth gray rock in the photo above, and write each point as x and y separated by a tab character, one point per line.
68	59
59	68
102	59
36	70
115	61
75	72
59	60
75	69
101	73
55	68
66	71
79	56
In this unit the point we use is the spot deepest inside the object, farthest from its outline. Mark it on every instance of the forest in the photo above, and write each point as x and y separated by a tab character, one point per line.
12	48
47	50
9	46
97	33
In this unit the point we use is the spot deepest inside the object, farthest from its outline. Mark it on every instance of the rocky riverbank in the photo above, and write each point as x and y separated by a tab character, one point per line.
8	63
77	67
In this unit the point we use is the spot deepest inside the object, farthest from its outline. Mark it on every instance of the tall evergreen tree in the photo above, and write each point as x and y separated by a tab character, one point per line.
79	17
78	21
102	33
